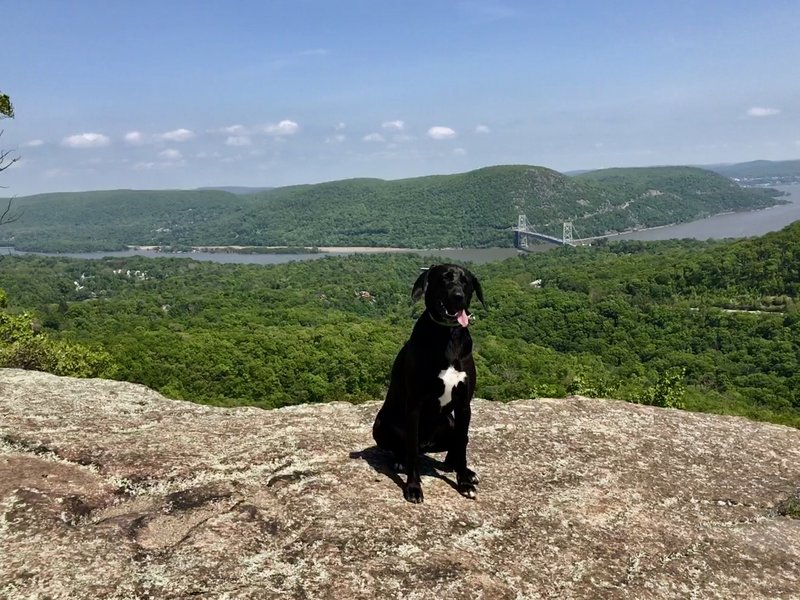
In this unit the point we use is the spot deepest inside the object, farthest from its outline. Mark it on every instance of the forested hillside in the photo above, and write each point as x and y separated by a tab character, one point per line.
475	209
662	323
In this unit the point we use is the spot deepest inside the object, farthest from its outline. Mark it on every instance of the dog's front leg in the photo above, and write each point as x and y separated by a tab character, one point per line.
413	489
457	455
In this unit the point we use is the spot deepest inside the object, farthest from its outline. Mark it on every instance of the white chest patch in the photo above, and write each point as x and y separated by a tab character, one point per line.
451	378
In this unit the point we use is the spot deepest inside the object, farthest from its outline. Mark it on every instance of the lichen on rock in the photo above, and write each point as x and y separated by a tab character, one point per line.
108	490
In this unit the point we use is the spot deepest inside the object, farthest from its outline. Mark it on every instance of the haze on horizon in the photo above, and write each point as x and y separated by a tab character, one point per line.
153	94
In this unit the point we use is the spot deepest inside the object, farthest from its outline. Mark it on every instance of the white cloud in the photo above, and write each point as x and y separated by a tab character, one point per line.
134	137
86	140
238	140
402	138
335	139
459	151
441	133
339	126
285	127
760	111
177	135
158	165
373	137
394	125
235	130
170	154
208	155
32	143
482	129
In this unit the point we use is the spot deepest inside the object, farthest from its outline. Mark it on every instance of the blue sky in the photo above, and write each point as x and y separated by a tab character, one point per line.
155	94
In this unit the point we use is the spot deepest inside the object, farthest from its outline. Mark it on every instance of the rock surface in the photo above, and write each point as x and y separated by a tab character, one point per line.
108	490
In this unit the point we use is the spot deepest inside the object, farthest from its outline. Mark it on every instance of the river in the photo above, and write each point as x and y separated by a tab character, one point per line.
730	225
474	255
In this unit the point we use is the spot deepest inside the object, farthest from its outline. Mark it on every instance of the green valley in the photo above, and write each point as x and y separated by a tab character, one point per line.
711	326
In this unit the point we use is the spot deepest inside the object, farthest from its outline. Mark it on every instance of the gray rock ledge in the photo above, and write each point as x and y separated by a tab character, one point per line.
109	490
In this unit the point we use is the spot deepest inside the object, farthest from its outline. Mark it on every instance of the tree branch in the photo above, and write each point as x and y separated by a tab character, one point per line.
8	216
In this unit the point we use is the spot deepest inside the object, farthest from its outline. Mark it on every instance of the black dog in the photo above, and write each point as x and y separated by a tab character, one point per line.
427	407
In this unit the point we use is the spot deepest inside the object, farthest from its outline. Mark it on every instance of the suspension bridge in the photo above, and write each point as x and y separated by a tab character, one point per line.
524	231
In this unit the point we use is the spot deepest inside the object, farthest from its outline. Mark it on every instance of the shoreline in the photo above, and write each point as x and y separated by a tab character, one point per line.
287	249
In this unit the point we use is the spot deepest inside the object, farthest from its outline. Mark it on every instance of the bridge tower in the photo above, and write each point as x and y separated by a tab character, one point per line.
522	226
567	235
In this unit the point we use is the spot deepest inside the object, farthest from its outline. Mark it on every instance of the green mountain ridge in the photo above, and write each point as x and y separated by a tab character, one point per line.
473	209
758	169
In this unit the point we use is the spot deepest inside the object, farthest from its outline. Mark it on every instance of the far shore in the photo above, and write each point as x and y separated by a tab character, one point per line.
283	249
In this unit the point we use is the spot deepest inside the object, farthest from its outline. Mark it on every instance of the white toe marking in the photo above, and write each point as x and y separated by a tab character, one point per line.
451	378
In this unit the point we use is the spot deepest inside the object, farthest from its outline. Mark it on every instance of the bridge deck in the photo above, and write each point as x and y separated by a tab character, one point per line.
542	236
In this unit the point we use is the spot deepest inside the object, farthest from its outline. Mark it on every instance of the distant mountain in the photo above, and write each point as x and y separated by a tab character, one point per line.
236	189
761	172
474	209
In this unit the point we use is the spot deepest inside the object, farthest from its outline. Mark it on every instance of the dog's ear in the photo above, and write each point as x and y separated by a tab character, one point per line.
476	286
419	285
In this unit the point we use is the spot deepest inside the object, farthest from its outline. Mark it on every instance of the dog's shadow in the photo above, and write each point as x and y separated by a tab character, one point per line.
383	462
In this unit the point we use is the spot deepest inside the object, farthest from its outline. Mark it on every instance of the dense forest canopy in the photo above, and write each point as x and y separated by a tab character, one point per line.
709	326
475	209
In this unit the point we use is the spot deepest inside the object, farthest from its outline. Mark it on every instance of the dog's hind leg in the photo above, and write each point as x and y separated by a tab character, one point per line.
442	438
390	437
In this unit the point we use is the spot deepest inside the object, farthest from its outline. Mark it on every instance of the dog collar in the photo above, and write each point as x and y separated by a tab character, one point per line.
444	323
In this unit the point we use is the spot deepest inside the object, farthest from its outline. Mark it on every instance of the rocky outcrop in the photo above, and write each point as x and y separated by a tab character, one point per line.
108	490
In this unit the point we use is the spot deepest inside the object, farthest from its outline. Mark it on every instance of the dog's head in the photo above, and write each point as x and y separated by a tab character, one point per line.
448	291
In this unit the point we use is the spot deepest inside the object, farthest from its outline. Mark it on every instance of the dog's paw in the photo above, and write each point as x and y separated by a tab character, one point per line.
398	467
468	476
467	490
413	492
467	480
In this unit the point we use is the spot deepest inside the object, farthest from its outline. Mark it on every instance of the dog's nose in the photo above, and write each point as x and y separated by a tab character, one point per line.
458	296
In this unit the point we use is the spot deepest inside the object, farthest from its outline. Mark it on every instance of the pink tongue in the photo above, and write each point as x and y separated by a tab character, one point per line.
463	318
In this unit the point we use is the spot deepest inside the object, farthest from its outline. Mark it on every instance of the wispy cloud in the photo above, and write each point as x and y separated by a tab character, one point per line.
176	135
86	140
32	143
234	130
760	111
314	52
373	137
170	154
482	129
441	133
397	125
338	138
238	140
134	137
138	138
285	127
